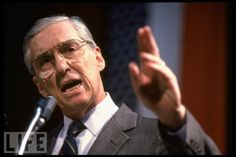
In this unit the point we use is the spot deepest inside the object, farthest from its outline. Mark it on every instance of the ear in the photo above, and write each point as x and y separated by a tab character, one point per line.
100	59
41	86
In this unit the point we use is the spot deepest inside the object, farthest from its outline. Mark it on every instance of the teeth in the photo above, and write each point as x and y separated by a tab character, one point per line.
70	89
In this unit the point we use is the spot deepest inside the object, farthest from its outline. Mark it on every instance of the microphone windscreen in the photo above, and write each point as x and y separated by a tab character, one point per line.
49	106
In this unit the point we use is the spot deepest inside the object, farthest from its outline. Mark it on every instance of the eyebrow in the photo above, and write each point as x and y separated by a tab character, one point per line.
48	50
57	45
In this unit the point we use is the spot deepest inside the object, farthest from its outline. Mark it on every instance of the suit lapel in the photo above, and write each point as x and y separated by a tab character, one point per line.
52	137
113	135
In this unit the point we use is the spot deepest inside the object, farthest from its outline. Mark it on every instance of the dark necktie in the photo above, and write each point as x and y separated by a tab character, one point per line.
70	147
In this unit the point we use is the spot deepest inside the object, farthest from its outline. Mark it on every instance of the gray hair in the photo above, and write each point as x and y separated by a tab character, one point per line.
41	24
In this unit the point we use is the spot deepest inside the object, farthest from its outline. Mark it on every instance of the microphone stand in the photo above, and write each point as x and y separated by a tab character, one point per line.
31	130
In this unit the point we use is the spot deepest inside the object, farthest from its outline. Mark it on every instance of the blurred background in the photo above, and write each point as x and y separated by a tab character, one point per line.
195	40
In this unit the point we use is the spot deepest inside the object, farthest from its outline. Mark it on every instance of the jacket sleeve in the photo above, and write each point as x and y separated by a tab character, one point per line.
191	139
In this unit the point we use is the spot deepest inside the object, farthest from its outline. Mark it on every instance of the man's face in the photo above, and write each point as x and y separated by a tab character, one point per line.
76	84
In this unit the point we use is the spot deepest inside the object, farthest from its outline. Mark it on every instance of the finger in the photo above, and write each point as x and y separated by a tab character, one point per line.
134	75
147	57
151	42
146	41
140	39
163	72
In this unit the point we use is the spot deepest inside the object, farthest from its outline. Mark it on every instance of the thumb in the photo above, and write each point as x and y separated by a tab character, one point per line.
134	75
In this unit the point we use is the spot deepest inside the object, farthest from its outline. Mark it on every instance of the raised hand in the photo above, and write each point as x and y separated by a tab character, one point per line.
155	84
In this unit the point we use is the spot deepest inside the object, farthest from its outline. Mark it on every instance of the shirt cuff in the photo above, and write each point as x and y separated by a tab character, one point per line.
179	134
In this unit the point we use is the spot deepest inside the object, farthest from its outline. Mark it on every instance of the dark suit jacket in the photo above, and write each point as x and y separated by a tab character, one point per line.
129	133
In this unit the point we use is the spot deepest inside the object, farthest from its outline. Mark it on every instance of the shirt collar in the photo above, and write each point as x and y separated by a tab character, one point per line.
97	117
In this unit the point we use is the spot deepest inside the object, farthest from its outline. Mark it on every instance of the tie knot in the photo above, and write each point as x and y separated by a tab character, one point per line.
75	128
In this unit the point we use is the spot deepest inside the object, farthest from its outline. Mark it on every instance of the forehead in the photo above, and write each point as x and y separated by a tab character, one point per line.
51	36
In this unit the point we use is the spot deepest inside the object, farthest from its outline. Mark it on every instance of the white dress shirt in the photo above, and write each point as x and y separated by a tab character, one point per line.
94	121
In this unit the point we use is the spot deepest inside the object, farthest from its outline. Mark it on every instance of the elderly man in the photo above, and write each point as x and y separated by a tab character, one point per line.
66	63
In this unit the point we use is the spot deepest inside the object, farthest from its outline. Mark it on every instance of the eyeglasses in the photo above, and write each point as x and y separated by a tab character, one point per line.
68	50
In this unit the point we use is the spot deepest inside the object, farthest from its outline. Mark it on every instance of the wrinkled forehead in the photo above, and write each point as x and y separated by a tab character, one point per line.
51	36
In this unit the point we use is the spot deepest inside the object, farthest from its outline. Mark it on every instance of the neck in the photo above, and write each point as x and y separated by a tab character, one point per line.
80	112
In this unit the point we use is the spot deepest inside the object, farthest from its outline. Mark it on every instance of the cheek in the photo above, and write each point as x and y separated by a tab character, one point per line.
51	85
86	64
53	90
88	70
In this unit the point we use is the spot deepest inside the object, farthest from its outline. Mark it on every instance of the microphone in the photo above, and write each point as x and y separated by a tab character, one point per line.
43	113
47	106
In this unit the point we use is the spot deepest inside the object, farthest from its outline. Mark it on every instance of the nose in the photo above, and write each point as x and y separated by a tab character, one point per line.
61	65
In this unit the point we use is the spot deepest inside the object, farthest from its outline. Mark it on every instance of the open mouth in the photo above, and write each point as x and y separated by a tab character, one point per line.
71	85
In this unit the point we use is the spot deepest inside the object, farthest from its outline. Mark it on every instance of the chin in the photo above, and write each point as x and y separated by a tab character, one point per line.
78	102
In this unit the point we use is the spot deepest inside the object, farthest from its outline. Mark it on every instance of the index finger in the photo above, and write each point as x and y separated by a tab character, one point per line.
146	41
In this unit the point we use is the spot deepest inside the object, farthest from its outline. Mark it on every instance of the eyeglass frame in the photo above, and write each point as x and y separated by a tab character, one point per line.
52	50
